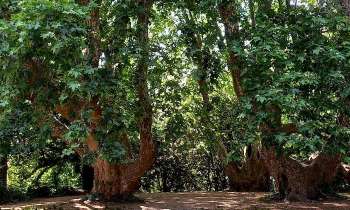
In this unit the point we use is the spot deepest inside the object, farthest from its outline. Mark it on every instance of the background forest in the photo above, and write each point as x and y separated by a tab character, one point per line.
117	96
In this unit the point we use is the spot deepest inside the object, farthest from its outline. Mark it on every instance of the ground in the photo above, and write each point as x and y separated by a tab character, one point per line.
182	201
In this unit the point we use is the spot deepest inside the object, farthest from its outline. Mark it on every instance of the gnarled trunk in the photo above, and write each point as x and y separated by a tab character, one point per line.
252	176
114	181
298	181
111	180
118	181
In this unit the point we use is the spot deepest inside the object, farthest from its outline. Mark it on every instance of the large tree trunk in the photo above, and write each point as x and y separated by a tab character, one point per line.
298	181
252	175
118	181
294	180
3	173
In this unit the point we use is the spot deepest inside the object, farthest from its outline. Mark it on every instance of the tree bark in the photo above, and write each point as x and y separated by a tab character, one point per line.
118	181
346	6
296	181
252	176
230	18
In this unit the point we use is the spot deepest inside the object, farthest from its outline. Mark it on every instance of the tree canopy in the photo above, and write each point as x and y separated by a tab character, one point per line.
176	95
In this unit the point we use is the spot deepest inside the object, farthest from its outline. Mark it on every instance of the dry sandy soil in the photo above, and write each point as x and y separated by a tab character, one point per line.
182	201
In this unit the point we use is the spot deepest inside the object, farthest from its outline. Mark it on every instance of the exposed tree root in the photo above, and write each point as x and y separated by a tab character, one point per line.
296	181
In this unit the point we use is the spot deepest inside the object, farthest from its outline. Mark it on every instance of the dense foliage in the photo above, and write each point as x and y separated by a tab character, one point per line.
83	81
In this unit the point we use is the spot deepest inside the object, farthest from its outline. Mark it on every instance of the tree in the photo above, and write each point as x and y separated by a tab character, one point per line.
122	179
253	174
5	13
288	64
253	89
69	92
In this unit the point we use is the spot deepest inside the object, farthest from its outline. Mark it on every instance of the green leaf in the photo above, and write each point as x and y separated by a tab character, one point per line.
74	86
316	51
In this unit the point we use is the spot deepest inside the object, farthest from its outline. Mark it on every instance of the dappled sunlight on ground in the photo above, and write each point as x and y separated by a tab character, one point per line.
183	201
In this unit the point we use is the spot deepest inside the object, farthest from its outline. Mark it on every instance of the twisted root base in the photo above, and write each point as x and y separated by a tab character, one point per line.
116	181
252	177
297	181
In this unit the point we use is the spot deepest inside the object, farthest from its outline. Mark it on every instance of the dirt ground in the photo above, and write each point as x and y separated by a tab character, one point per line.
182	201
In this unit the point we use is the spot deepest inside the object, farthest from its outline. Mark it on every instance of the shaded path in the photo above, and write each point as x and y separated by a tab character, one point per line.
182	201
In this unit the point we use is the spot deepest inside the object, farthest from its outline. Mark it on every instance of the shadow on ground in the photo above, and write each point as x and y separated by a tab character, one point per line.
182	201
